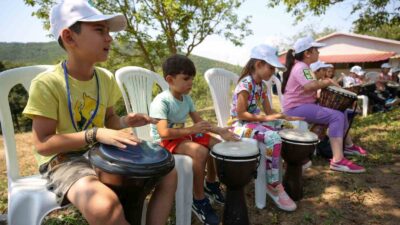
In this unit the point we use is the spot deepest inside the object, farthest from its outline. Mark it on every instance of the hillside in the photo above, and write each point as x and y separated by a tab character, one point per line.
50	53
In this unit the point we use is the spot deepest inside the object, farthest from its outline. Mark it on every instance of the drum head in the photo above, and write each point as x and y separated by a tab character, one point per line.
298	136
145	159
246	149
342	91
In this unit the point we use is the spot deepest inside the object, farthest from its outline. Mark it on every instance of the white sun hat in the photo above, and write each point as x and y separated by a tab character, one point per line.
386	65
267	53
357	70
68	12
305	43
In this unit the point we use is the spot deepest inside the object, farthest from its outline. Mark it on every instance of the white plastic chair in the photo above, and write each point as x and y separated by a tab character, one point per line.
28	199
136	85
372	75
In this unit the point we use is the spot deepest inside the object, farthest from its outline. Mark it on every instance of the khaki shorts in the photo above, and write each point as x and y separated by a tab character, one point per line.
62	174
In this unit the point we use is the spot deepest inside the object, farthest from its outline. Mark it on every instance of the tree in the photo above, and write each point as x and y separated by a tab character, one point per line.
158	28
376	17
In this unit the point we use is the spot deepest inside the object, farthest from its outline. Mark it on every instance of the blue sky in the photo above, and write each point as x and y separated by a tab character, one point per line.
268	25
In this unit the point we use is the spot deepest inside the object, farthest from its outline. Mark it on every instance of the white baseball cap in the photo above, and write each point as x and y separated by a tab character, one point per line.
318	65
267	53
68	12
329	65
357	70
305	43
386	65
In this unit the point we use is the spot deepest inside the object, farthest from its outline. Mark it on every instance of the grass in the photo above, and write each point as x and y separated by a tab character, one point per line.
329	197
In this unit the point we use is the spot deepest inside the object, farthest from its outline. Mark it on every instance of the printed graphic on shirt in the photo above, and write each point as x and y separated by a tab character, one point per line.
178	125
83	110
308	75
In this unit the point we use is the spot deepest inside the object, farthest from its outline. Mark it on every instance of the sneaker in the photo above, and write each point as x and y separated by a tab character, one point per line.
203	210
355	150
213	191
390	101
346	165
281	198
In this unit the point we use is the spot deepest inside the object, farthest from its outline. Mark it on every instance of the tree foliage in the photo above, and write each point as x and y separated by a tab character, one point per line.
158	28
376	17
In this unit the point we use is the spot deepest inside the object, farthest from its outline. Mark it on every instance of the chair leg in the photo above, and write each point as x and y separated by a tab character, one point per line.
184	191
260	182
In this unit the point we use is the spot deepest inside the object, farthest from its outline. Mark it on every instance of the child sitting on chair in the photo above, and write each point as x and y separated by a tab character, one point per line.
172	107
249	98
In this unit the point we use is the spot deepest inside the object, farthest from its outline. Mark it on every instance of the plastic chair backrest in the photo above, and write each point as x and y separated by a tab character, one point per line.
137	84
220	82
275	80
8	79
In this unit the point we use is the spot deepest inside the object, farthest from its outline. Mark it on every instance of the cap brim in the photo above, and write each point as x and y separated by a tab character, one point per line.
276	63
115	22
317	45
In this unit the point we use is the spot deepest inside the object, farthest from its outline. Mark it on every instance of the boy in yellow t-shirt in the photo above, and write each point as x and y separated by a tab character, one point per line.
71	107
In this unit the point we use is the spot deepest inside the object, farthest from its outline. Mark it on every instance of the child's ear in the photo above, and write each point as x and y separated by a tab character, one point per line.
169	79
66	36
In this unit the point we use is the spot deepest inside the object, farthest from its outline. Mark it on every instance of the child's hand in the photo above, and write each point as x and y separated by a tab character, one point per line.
116	138
138	119
228	135
201	127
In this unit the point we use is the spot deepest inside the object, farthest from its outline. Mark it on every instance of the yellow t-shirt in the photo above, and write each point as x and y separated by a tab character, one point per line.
48	98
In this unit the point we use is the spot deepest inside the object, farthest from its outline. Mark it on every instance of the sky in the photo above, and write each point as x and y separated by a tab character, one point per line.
269	25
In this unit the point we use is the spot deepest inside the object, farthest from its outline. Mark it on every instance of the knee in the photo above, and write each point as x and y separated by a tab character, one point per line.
201	155
338	116
169	182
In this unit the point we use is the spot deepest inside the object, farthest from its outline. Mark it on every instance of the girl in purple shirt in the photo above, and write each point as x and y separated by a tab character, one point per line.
300	88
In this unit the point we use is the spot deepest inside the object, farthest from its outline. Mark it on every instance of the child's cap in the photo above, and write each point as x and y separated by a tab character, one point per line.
318	65
305	43
68	12
267	53
357	70
386	66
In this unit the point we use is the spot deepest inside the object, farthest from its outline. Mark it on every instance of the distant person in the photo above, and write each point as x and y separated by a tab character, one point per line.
319	69
300	91
172	107
71	107
356	72
396	74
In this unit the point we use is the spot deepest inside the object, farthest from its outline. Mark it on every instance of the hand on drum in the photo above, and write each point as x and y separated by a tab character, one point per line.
227	134
201	127
117	138
138	119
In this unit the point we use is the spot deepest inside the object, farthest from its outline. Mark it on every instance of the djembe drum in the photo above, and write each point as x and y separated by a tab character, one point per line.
131	173
236	164
335	98
355	89
297	147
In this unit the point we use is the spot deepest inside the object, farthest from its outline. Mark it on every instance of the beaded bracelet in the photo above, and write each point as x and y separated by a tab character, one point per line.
90	136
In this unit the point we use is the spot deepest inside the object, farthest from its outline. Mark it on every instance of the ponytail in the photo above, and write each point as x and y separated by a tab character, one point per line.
249	68
290	60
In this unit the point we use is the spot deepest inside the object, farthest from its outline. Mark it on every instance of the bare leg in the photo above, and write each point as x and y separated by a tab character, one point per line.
97	203
348	141
211	172
199	155
161	201
337	148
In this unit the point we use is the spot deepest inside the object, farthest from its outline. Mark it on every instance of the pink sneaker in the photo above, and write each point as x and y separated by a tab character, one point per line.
281	199
355	150
346	165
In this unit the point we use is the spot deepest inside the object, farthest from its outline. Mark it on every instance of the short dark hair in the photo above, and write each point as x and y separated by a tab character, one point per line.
76	27
178	64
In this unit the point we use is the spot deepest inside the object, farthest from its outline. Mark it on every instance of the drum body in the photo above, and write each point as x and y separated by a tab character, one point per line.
297	147
337	98
334	98
367	88
393	88
236	164
131	173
